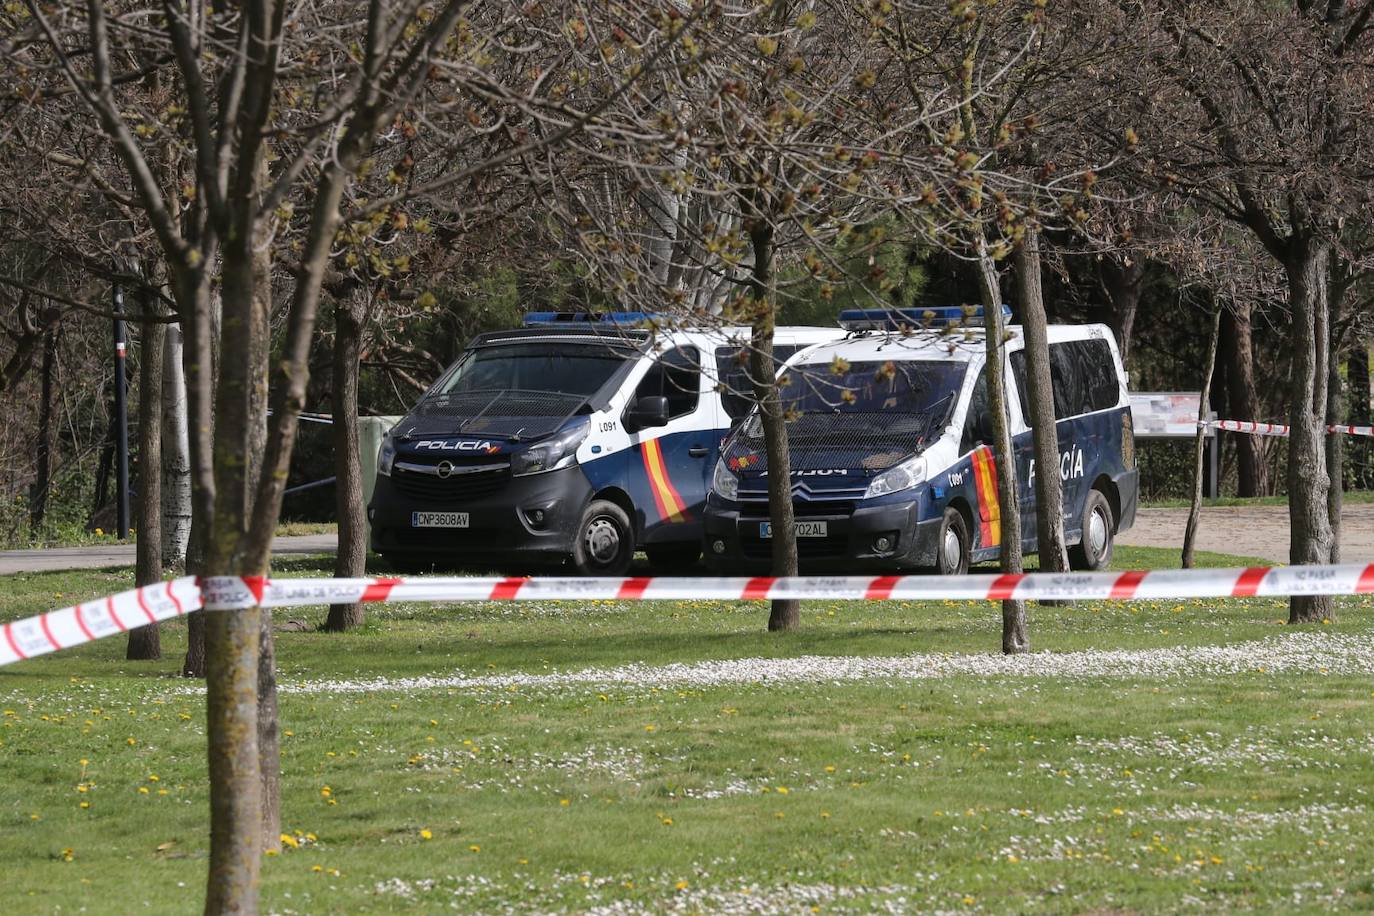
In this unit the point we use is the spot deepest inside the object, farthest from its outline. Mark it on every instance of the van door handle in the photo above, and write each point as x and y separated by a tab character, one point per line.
698	451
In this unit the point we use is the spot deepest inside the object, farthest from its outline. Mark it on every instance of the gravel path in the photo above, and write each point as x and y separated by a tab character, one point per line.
1248	531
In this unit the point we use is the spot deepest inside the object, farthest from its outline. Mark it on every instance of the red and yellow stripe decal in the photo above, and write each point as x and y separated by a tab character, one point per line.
989	507
671	508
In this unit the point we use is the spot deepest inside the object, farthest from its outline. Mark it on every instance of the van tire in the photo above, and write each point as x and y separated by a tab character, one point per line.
952	546
605	542
1094	549
672	558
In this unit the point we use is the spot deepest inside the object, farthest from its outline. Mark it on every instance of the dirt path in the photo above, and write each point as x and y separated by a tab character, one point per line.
1248	531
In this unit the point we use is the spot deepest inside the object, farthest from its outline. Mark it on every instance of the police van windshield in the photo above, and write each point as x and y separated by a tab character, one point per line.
887	387
569	369
864	417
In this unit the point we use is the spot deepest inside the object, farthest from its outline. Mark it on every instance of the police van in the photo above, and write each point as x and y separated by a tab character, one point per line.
576	438
891	443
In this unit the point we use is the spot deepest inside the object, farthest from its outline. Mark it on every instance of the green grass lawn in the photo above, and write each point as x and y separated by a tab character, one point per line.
1148	757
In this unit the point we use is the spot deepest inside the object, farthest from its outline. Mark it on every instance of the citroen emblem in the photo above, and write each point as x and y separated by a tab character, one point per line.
444	469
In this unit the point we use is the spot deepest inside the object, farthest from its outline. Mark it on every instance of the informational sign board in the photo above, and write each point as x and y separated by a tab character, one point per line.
1165	414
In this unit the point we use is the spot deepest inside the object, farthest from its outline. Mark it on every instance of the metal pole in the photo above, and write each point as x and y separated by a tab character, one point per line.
121	419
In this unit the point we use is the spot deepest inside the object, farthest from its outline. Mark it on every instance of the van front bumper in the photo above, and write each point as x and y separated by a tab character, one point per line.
733	541
502	530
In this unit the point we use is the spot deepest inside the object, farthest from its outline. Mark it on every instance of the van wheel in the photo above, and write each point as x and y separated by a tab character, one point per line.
672	558
605	541
1094	549
952	546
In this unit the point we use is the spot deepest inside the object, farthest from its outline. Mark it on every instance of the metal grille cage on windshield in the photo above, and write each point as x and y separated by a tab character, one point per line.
864	417
817	441
502	413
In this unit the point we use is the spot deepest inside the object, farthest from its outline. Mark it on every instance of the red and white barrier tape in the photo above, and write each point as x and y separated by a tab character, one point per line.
1278	429
94	620
83	623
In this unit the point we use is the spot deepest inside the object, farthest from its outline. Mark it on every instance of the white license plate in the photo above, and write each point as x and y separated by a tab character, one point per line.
804	529
438	519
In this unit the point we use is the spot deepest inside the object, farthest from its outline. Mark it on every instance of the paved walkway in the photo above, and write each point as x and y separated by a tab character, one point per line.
99	557
1248	531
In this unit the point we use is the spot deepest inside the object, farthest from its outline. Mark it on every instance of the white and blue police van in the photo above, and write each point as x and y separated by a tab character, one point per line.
577	438
892	459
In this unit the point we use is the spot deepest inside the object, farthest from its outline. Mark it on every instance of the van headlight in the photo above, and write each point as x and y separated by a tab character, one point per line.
725	483
386	456
899	477
555	454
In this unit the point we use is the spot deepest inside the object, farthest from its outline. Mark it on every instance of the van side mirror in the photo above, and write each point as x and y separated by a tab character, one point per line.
646	412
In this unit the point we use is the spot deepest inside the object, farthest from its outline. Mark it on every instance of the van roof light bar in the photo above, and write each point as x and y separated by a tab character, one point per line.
942	316
608	319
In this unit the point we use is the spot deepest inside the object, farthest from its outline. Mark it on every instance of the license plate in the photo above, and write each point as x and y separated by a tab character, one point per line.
438	519
804	529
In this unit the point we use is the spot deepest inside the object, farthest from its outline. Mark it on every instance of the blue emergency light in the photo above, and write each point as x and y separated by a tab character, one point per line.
941	316
615	319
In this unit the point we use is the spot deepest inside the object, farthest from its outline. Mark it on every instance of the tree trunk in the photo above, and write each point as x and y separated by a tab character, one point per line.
38	493
1015	639
1200	441
1122	279
1335	414
350	310
784	615
234	641
1049	487
145	643
176	458
1357	373
269	737
1309	525
1252	472
104	465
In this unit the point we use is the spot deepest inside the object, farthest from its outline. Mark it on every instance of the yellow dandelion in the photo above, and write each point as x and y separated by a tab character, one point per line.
68	854
288	840
564	802
426	834
317	868
474	848
142	790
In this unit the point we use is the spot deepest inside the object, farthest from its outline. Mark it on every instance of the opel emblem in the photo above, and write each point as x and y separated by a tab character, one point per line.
444	469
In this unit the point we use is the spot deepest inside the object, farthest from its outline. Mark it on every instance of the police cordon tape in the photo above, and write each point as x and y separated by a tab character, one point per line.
83	623
1278	429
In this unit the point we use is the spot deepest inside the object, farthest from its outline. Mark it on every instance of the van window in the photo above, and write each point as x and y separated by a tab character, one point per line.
736	380
1084	377
676	375
573	369
978	421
